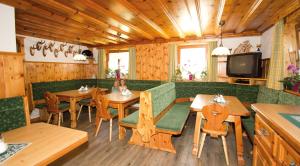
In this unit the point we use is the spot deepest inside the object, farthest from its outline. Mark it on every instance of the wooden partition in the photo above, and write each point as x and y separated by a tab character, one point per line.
152	61
11	75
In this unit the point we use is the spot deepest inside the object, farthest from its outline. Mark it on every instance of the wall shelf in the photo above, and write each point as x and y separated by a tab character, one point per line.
246	81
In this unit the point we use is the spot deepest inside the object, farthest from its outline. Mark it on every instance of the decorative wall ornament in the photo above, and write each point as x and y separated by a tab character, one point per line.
243	47
44	47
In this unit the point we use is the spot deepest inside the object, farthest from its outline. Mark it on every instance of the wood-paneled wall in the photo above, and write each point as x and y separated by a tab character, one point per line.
11	75
152	61
54	71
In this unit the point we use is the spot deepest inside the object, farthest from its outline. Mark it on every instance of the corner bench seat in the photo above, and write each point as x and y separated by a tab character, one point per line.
159	117
173	121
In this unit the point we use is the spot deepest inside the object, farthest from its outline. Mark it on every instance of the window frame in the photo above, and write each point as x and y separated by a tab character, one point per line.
115	51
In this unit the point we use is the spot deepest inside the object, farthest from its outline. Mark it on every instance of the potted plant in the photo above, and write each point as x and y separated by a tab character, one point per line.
292	82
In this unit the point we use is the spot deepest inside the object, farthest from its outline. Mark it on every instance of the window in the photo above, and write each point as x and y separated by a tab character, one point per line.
192	61
118	60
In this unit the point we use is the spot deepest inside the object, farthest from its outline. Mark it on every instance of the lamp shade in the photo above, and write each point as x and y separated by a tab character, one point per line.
221	51
79	57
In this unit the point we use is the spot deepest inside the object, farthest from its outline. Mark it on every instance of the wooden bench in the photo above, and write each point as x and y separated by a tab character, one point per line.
160	116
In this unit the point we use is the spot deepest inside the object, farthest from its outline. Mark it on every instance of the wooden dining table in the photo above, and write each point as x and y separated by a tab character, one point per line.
46	143
73	96
236	111
121	102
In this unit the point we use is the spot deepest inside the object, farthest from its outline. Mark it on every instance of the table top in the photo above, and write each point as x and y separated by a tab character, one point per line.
286	129
76	93
119	98
236	108
48	143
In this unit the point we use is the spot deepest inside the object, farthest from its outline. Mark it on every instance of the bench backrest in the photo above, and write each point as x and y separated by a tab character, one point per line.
287	98
139	85
14	113
161	97
267	95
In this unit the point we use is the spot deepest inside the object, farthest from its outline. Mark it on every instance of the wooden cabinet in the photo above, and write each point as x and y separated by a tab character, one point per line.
270	147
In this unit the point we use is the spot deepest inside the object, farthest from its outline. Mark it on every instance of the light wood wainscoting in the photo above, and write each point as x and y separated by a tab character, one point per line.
55	71
11	75
152	61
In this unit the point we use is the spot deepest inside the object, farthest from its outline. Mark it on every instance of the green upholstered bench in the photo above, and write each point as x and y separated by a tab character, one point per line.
269	96
14	113
158	119
139	85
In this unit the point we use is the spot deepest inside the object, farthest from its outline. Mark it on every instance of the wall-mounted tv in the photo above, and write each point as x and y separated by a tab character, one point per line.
244	65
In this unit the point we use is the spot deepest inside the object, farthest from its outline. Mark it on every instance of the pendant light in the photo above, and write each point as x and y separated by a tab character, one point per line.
221	50
79	56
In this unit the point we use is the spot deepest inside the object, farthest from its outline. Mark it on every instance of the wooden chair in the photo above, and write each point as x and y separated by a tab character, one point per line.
215	125
104	112
55	107
89	103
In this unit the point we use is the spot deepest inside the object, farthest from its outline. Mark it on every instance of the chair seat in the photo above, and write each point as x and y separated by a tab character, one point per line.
63	106
85	101
113	112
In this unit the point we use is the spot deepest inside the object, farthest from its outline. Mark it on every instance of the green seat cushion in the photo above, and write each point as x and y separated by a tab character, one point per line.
12	114
175	118
113	112
41	106
248	123
85	101
267	95
287	98
132	118
63	106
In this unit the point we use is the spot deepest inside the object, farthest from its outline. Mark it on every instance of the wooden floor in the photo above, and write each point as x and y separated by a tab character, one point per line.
99	151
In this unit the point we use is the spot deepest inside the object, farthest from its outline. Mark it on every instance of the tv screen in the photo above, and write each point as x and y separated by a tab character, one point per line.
244	65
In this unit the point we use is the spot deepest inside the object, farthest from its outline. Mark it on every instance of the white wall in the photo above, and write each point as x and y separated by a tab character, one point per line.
38	56
234	42
7	29
266	43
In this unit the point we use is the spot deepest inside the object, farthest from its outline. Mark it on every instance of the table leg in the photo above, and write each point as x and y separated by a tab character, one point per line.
121	116
239	140
73	112
197	133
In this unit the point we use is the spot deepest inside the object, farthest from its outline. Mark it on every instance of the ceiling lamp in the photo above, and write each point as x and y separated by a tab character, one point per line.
221	50
79	56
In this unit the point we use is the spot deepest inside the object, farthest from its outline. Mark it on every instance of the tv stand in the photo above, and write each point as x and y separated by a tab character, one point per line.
247	81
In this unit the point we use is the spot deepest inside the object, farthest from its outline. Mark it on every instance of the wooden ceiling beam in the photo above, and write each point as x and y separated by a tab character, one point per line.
37	11
141	16
54	29
219	15
198	9
192	9
114	16
51	33
170	16
257	7
287	9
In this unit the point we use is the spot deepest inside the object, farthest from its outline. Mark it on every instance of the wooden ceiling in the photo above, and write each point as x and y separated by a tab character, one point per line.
111	22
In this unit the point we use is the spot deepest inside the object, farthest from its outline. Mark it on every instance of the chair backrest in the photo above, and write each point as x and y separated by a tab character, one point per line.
215	115
102	106
52	102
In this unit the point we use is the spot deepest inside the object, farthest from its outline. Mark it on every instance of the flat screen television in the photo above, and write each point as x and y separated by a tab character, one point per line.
244	65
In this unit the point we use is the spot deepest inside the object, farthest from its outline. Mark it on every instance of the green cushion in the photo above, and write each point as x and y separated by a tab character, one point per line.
161	97
140	85
132	118
113	112
267	95
63	106
287	98
175	118
12	114
85	101
41	106
248	123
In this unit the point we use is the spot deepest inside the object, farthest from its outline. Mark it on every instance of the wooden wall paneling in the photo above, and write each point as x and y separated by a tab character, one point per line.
12	75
